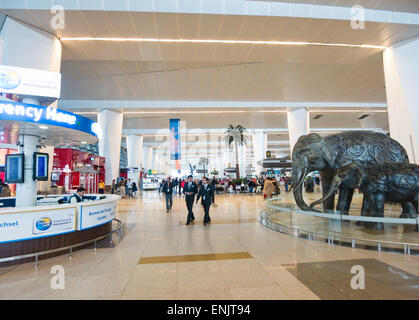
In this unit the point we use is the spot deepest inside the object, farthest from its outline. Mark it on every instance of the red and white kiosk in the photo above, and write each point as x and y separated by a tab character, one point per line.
73	168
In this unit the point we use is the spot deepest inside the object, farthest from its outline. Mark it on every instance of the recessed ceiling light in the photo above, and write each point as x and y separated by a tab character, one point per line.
43	127
84	142
253	42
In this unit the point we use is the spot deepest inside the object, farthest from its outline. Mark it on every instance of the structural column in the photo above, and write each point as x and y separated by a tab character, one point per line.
242	160
110	144
401	69
298	125
26	192
148	158
134	155
28	47
260	145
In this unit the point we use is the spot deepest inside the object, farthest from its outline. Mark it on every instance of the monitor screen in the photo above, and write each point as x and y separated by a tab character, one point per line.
40	166
14	168
55	176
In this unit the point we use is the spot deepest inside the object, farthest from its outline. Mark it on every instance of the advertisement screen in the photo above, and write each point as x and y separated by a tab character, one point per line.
40	166
14	168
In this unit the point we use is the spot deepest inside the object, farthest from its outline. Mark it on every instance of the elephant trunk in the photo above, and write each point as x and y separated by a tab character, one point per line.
333	188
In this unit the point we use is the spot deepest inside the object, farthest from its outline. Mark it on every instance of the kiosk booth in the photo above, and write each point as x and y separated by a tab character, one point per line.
40	225
73	168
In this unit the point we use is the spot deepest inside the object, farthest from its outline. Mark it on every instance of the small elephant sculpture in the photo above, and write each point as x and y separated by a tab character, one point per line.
380	183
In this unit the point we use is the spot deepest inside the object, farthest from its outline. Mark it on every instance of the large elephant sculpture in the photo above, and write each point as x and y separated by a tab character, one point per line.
327	155
380	183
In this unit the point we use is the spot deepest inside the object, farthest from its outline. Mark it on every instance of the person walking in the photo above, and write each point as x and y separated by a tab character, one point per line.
268	188
134	189
113	186
182	185
129	188
168	192
122	188
206	194
189	190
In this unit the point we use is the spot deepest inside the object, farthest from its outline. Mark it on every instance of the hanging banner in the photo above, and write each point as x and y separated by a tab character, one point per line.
174	139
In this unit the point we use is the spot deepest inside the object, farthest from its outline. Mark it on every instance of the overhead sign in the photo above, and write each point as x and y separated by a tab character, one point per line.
92	215
32	82
31	224
16	111
174	139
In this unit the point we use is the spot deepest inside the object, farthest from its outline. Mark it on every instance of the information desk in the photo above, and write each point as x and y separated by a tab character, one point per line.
51	226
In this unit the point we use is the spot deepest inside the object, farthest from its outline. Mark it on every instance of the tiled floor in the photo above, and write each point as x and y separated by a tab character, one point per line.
277	266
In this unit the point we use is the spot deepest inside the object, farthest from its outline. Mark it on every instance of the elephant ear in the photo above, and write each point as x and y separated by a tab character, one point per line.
331	149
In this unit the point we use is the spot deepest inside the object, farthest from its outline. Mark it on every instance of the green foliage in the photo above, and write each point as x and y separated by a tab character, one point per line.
235	134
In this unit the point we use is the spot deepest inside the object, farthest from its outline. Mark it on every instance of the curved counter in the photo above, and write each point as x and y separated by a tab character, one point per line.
29	230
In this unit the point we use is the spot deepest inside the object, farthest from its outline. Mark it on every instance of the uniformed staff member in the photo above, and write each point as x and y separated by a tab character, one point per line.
206	193
78	196
190	189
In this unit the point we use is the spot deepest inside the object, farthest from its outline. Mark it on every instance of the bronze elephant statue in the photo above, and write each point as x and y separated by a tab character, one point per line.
329	154
380	183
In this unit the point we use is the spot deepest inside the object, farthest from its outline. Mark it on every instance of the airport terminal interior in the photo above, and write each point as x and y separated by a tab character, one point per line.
209	150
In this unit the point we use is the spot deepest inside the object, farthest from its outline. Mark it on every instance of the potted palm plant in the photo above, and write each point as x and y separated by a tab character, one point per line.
235	134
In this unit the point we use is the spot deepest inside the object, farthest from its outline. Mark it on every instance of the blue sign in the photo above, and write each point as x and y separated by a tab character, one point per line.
174	139
16	111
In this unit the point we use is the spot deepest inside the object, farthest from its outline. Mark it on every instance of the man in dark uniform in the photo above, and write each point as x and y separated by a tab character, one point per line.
207	193
190	189
168	192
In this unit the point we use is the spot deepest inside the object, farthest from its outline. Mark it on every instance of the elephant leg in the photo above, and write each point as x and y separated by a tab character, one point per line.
377	204
409	210
329	204
344	201
366	204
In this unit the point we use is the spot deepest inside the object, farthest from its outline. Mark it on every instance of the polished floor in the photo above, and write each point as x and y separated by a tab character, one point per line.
234	257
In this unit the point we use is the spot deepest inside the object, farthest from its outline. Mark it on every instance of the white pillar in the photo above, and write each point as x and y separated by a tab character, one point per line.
134	155
110	123
298	125
134	151
26	191
260	146
401	69
156	159
242	160
148	158
28	47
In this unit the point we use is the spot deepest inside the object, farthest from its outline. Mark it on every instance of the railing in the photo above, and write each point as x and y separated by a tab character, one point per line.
288	219
118	230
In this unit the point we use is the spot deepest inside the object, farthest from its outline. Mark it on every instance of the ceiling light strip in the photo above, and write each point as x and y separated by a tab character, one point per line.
256	42
242	111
